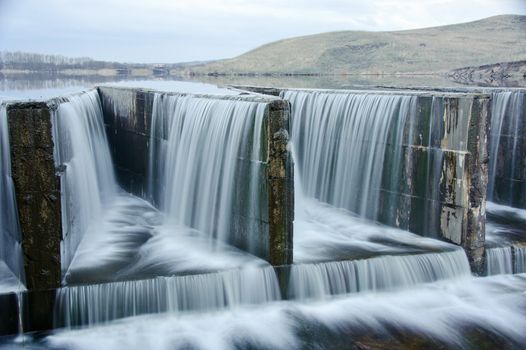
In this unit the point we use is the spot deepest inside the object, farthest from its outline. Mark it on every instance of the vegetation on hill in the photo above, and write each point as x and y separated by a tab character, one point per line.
439	49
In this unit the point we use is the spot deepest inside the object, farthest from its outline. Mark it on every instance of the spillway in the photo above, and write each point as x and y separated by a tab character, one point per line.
342	142
506	146
181	262
202	151
88	181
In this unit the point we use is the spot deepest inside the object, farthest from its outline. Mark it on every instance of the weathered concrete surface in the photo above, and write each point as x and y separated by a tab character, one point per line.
444	173
510	172
473	237
445	178
128	116
37	189
280	178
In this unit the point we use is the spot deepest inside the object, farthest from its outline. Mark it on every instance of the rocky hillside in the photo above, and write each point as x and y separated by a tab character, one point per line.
439	49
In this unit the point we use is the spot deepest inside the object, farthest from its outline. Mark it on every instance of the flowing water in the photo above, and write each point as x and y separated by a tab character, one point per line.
197	145
341	142
11	269
163	273
87	179
465	313
505	158
354	149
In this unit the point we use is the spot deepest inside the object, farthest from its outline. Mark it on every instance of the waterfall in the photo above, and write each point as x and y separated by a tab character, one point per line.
206	163
82	154
520	259
499	261
91	304
382	273
341	143
11	268
354	150
505	260
467	313
505	148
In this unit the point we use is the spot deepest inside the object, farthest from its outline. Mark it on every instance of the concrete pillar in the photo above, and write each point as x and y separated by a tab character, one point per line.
280	179
474	238
37	192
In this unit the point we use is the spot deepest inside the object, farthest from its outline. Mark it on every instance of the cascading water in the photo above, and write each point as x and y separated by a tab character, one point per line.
520	259
87	180
93	304
499	260
352	150
504	147
321	280
505	184
469	313
341	142
505	260
198	149
348	146
206	155
11	269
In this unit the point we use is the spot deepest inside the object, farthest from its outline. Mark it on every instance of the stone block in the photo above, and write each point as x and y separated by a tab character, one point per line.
37	192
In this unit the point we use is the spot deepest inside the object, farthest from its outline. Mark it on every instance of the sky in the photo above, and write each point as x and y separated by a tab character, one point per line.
180	31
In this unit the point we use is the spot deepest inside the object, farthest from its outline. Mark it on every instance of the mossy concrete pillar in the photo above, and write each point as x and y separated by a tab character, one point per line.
280	179
477	168
37	189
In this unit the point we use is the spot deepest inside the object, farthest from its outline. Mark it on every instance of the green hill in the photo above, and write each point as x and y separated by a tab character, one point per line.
439	49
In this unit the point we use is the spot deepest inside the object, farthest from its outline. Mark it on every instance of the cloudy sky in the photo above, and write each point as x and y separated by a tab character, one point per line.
188	30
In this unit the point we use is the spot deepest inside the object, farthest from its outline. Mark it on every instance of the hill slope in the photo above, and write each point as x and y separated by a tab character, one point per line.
439	49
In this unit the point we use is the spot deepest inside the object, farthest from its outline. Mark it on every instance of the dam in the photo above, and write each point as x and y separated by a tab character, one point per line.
269	212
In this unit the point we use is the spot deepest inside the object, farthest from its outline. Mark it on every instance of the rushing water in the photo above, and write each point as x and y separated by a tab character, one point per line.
175	281
499	260
382	273
11	269
341	143
466	313
196	146
203	150
505	147
354	150
87	179
93	304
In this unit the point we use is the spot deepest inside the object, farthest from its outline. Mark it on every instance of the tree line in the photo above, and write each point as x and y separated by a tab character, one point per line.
53	63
